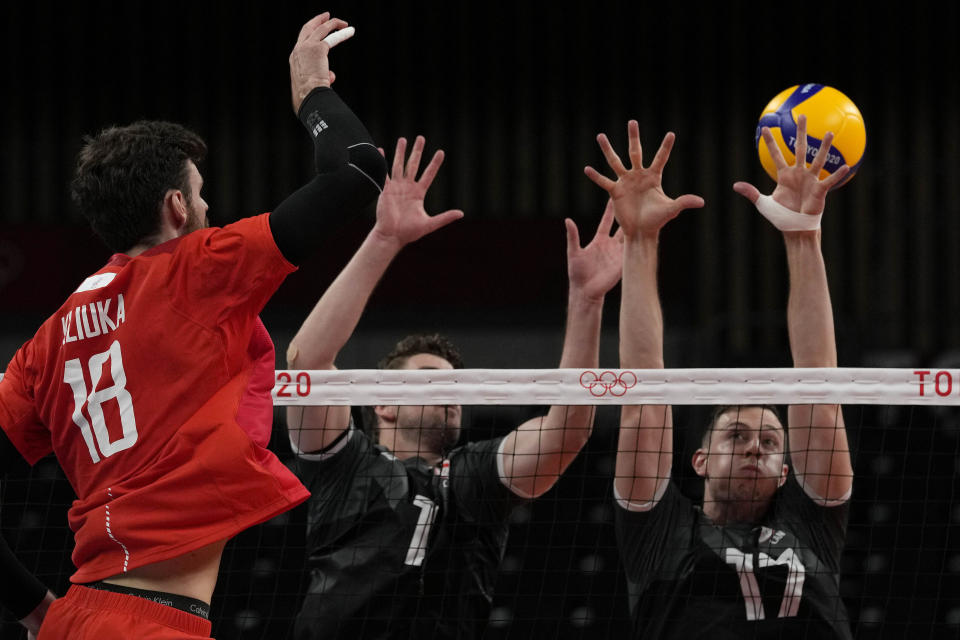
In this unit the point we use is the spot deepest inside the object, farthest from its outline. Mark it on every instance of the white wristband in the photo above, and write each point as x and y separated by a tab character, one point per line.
786	219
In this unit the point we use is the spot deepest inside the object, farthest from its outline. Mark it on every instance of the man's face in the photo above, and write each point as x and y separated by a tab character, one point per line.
196	206
436	426
743	458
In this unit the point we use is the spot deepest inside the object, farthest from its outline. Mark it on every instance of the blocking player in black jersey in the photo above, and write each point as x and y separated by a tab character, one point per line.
760	558
405	529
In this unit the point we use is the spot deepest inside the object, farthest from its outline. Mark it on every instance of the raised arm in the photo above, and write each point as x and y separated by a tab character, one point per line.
645	448
536	453
401	219
350	170
817	437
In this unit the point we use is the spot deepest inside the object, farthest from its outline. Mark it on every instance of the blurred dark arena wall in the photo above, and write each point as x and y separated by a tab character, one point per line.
515	93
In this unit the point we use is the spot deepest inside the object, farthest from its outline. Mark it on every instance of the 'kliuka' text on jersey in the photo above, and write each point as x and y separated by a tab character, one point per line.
93	319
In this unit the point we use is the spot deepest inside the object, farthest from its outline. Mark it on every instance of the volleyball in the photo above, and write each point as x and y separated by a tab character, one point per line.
826	109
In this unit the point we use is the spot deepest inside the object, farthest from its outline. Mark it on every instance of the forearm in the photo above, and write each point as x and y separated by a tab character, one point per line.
350	175
809	312
540	450
336	131
20	591
581	340
645	443
818	442
336	315
33	620
566	428
324	333
641	319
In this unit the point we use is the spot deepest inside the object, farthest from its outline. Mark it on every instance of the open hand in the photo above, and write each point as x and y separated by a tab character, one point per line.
595	268
401	217
640	205
309	65
798	186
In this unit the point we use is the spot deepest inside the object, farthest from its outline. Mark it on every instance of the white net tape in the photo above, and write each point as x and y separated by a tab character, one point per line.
865	386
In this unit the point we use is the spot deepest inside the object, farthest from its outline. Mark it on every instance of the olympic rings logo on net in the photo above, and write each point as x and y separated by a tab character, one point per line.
606	382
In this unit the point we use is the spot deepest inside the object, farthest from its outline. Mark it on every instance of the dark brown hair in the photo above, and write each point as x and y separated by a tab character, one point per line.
123	174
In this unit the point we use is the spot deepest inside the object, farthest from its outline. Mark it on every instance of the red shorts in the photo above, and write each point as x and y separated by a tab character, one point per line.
89	614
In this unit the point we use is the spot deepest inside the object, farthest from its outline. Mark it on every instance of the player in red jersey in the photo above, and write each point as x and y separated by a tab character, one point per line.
760	558
151	384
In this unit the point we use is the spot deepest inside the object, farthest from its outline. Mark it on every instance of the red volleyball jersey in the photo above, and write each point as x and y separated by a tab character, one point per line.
149	386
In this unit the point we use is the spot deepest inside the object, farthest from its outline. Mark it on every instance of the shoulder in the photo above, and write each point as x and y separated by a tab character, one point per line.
657	540
478	447
352	442
245	236
250	228
470	457
353	460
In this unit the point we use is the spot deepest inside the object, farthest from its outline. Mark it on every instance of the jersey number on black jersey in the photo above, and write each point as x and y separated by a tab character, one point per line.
421	532
743	563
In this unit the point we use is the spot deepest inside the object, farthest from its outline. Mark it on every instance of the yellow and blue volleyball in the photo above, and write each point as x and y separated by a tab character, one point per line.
827	109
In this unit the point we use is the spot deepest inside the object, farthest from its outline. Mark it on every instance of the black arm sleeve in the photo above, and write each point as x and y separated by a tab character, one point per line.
350	175
20	591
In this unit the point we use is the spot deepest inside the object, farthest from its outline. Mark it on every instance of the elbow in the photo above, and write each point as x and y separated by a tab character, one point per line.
298	359
367	159
531	488
542	487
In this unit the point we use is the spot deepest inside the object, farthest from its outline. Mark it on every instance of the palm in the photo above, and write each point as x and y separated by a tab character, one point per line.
596	268
799	187
640	204
400	211
401	216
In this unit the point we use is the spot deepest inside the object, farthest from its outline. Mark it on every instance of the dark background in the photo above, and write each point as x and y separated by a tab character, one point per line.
515	93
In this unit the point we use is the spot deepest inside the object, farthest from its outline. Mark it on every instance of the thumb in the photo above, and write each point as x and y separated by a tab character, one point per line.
689	201
573	235
443	219
747	190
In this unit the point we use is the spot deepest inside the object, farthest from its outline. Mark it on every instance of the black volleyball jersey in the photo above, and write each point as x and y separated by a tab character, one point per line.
688	578
399	548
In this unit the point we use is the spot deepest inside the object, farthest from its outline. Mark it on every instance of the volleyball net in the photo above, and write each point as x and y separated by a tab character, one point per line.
870	386
562	573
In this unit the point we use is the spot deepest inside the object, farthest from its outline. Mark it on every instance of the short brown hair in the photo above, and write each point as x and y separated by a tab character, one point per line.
433	343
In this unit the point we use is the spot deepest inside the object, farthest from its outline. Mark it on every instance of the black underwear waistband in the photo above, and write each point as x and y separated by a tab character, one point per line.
183	603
